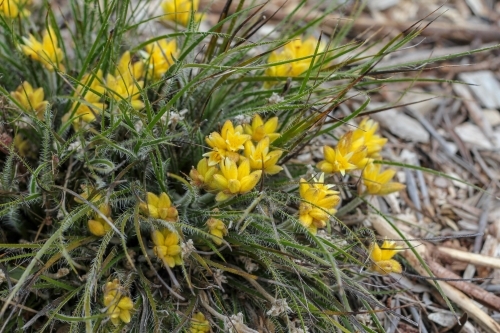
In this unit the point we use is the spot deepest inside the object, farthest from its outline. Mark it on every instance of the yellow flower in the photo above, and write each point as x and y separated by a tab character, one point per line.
227	143
235	180
295	49
24	146
344	157
123	88
335	161
203	175
167	247
180	10
14	8
199	324
258	129
318	203
86	109
90	194
365	135
98	226
118	306
381	258
129	71
379	183
261	159
31	100
159	207
217	228
46	52
160	56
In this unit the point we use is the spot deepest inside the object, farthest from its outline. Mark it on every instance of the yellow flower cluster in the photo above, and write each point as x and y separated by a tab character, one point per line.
238	158
381	258
97	225
125	83
118	305
295	49
167	247
32	100
88	92
318	202
218	229
179	11
14	8
159	207
379	183
24	147
356	150
46	52
199	324
160	57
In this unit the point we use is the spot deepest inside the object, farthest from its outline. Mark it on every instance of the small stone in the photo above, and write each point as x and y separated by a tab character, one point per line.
402	126
492	116
472	134
424	102
485	87
382	4
441	182
445	319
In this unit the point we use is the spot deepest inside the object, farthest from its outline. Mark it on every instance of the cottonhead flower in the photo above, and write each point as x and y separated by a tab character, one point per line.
318	202
46	52
295	49
31	100
118	305
218	229
167	247
261	158
260	129
180	10
366	135
160	57
199	324
14	8
381	258
379	183
159	207
203	175
235	179
227	143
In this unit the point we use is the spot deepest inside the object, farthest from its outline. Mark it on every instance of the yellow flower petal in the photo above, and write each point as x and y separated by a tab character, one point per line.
157	238
125	316
125	303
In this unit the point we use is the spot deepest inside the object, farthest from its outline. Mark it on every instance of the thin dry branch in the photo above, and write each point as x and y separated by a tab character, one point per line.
472	258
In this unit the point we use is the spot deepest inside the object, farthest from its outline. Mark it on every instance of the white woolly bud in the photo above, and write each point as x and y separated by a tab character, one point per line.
187	248
278	307
275	99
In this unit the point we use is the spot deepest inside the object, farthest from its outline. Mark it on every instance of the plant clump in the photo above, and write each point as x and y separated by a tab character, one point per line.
164	171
